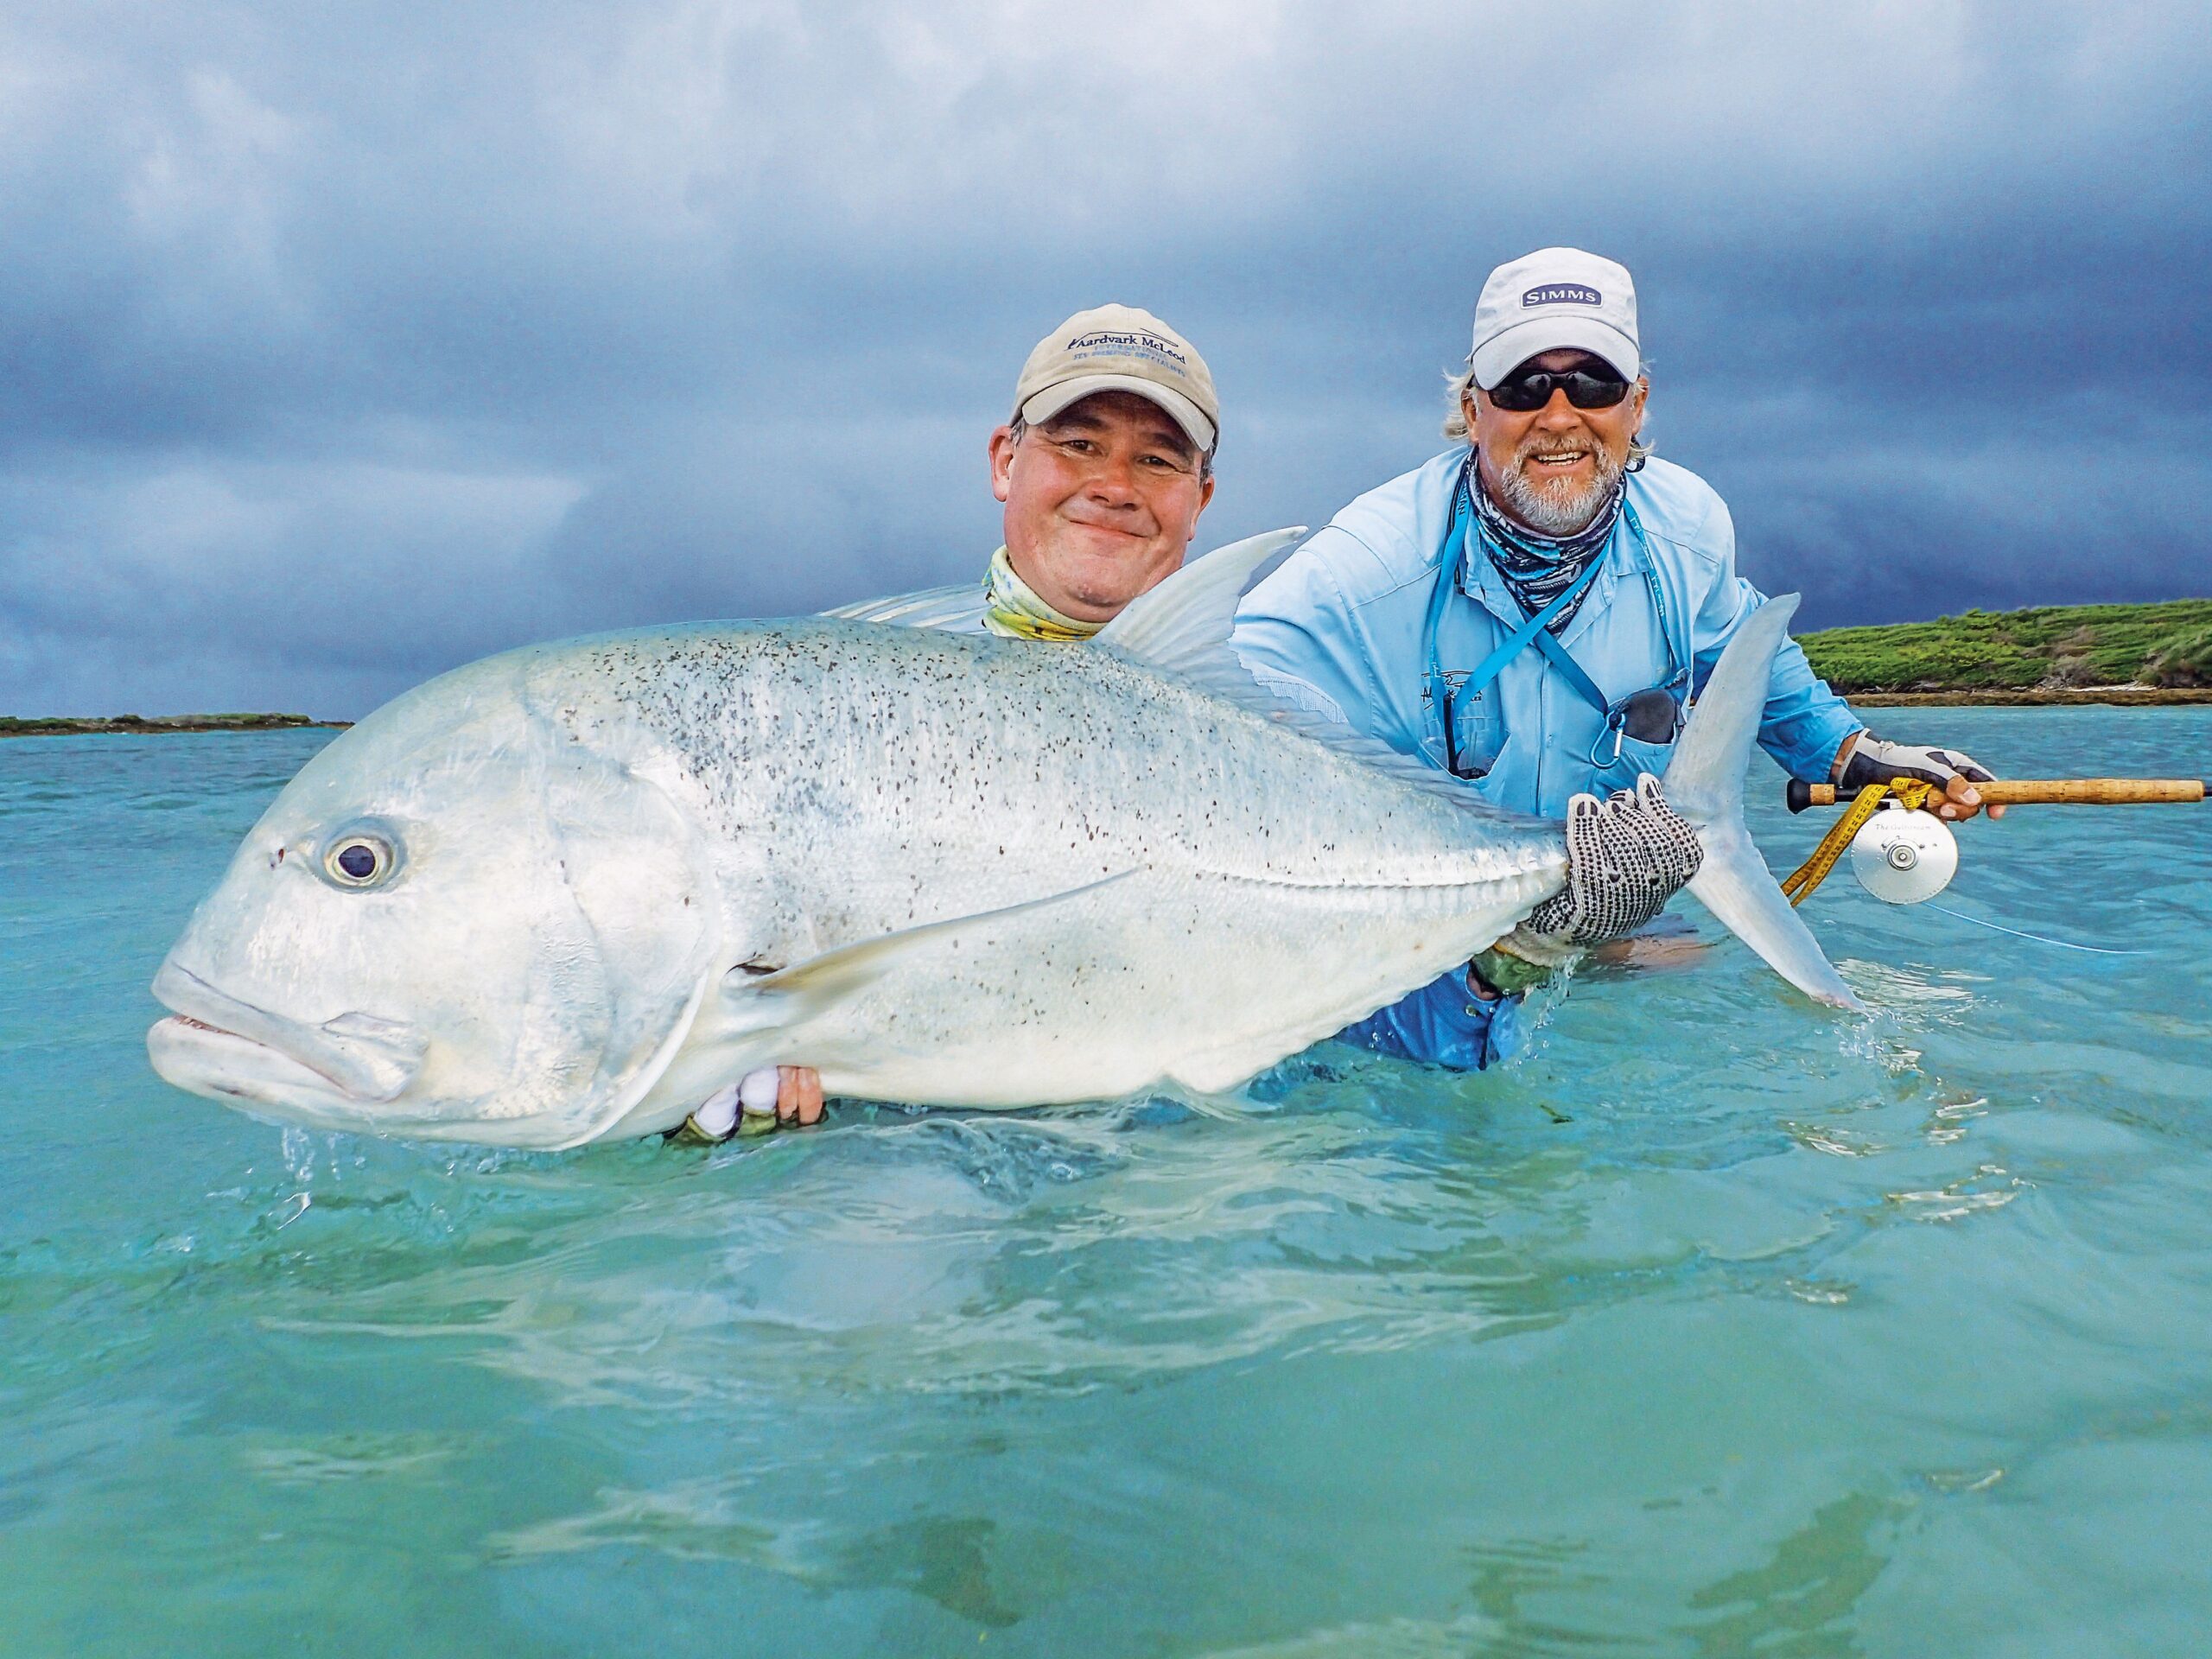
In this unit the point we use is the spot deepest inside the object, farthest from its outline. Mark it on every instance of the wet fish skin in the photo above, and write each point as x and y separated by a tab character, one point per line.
623	871
608	840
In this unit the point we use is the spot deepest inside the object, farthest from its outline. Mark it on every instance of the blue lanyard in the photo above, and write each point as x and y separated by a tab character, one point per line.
1438	690
1533	628
1441	691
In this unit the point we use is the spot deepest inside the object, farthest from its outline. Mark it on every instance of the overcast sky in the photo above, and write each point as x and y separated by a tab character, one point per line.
340	344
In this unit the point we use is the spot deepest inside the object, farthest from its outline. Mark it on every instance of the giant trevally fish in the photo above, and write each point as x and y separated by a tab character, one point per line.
568	892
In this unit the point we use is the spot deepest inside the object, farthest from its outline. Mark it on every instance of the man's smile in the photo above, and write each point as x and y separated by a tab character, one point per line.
1123	532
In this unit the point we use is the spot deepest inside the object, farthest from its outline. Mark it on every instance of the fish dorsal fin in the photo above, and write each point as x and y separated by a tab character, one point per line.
927	607
1182	626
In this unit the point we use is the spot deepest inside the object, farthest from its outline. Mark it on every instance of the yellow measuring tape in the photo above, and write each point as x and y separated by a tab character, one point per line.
1910	792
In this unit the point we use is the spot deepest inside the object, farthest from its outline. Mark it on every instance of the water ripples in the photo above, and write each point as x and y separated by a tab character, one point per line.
1712	1326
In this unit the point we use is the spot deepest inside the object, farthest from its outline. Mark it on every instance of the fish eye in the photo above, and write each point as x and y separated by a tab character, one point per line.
360	858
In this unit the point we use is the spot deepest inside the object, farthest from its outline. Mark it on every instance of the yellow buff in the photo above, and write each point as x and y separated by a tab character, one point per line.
1012	609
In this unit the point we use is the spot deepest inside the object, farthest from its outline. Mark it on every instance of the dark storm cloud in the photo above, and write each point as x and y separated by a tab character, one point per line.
338	347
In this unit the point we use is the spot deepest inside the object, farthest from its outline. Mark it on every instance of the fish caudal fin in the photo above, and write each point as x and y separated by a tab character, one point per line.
1705	783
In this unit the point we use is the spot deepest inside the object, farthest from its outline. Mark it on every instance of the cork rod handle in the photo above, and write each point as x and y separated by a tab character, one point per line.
2040	792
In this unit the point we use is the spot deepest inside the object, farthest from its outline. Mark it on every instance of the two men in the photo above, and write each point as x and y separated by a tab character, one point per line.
1530	611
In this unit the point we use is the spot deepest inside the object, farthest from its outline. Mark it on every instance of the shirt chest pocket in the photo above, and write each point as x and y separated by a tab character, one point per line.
1477	731
1641	732
1635	757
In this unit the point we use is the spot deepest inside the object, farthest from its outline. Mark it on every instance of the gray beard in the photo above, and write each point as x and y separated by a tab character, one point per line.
1558	508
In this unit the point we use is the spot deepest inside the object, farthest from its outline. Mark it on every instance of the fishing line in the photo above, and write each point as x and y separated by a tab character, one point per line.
2094	949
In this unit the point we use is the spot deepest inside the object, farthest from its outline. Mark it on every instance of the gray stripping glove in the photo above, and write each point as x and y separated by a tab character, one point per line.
1876	761
1626	856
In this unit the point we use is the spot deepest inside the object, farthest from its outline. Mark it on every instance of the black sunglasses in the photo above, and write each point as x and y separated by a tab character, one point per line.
1522	390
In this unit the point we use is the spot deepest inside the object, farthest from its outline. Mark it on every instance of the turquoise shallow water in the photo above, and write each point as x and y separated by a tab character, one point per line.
1717	1326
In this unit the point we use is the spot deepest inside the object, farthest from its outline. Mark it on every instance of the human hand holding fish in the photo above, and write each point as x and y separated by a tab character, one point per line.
767	1097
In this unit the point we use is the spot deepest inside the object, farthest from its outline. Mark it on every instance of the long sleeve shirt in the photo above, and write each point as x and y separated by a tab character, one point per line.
1340	630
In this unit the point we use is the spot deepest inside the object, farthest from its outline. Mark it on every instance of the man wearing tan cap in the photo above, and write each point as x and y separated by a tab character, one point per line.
1104	466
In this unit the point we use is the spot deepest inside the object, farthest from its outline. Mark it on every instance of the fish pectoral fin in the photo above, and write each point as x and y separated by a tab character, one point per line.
793	996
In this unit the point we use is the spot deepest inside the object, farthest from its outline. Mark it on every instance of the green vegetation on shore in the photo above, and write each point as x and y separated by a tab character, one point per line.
2052	648
2053	653
61	726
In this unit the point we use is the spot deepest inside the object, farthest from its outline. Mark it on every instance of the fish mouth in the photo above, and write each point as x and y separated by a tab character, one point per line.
213	1043
205	1059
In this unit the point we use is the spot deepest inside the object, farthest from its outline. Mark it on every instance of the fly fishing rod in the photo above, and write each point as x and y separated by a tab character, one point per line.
2037	791
1907	857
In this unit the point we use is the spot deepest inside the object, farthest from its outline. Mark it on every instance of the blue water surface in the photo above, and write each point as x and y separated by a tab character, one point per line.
1717	1326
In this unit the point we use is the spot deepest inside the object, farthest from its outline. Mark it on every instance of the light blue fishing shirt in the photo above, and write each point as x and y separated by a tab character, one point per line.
1340	629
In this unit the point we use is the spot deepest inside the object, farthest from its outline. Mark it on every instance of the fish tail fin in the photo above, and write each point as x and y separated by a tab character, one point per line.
1705	783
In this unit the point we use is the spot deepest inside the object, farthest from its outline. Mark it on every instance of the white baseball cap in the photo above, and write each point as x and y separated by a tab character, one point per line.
1119	348
1552	299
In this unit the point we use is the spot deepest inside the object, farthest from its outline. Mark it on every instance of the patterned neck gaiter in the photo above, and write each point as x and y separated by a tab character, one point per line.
1012	609
1536	569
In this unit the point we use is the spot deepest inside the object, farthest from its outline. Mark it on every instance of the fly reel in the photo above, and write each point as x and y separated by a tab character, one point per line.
1903	858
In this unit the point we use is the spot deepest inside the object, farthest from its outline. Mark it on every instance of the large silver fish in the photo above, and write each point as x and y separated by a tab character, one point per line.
566	892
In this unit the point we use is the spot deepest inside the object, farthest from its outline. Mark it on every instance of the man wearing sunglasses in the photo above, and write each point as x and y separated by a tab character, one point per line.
1531	611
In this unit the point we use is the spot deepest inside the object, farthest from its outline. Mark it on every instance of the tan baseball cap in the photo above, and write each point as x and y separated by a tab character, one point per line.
1119	348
